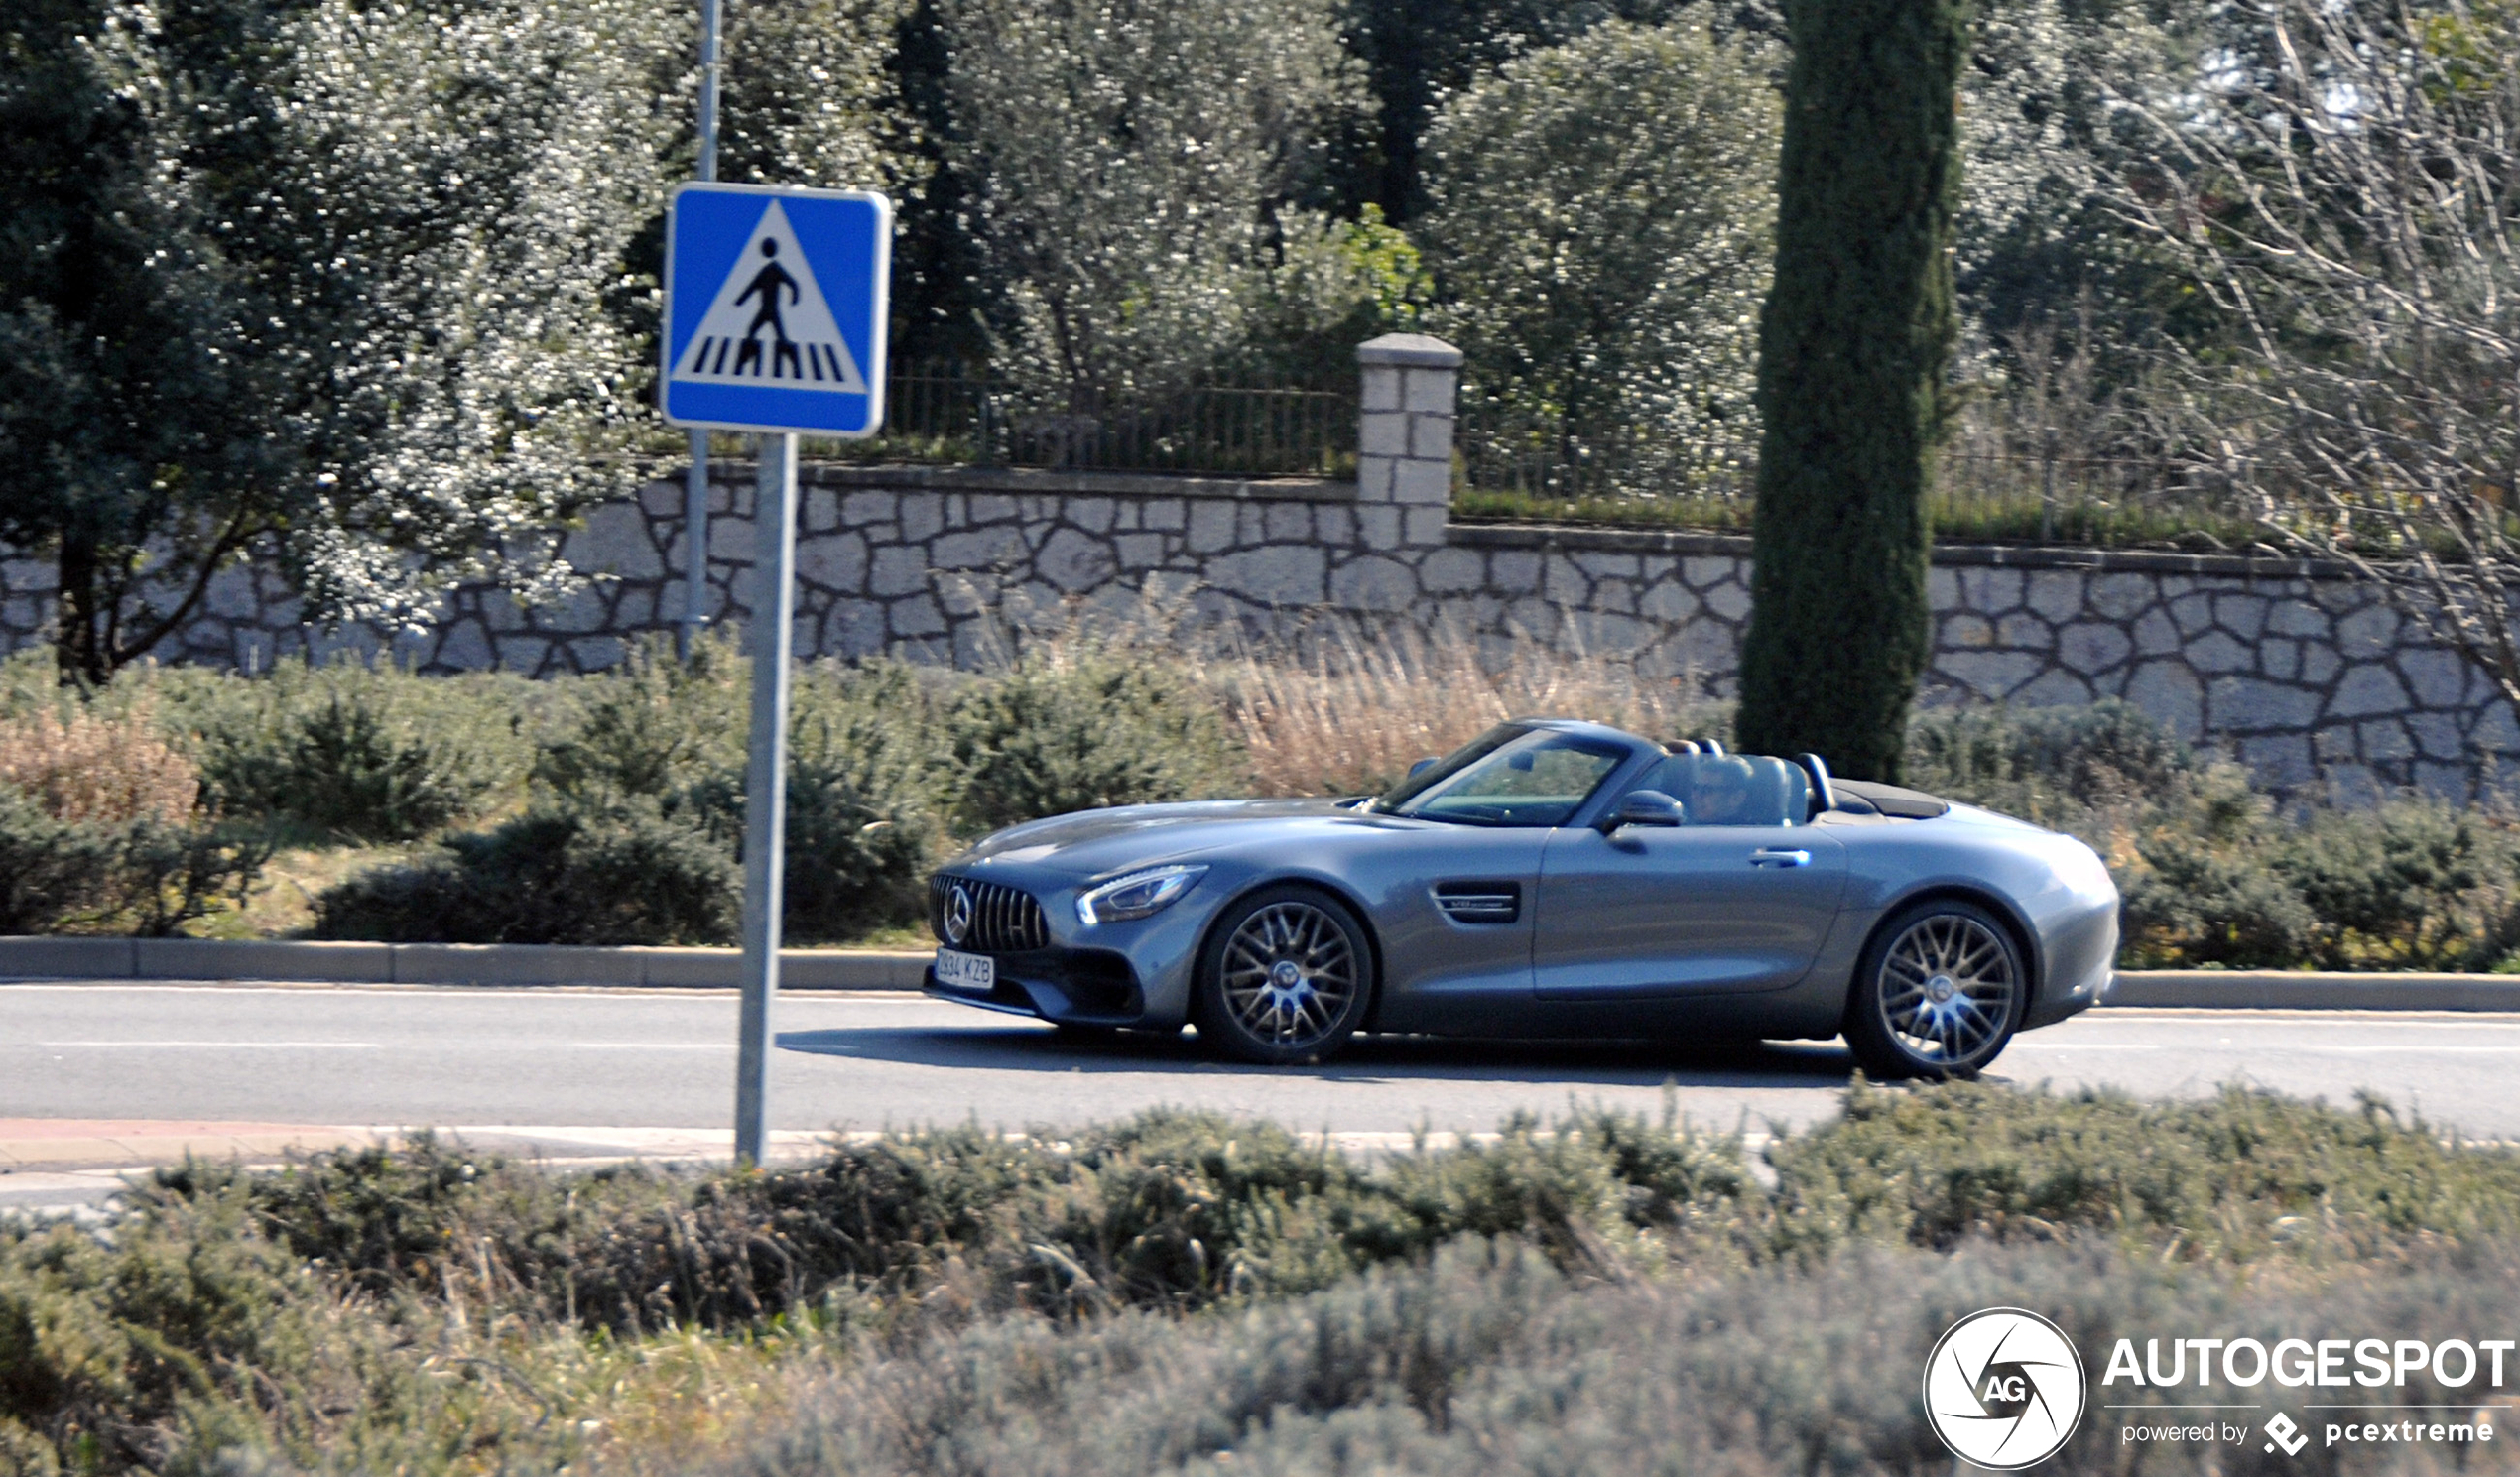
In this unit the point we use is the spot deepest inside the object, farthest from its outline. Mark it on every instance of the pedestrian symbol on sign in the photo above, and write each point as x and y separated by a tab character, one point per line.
762	294
767	282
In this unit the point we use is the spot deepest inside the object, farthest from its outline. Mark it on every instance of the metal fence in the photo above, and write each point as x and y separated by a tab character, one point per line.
1985	486
1993	482
1502	450
1247	425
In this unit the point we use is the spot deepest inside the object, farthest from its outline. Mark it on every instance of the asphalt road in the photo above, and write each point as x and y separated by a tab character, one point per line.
663	1059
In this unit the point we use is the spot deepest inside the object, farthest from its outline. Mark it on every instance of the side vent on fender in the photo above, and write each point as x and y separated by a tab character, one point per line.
1480	902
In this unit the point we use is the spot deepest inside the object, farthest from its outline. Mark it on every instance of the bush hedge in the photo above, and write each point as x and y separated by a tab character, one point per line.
423	1308
103	826
625	874
1076	731
2213	872
357	751
892	765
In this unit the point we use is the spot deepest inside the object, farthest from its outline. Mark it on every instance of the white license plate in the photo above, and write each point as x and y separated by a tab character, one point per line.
961	971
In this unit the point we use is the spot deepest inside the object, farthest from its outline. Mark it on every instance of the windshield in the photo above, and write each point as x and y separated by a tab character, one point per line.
1508	775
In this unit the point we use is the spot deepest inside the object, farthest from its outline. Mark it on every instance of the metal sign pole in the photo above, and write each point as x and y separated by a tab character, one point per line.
695	487
765	784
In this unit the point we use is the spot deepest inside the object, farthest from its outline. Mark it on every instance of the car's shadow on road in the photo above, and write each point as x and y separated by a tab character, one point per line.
1038	1049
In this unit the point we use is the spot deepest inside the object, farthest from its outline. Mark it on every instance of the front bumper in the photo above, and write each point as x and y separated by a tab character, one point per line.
2082	957
1080	986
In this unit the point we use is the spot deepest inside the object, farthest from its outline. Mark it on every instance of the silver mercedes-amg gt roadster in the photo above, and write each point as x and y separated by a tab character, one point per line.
1551	879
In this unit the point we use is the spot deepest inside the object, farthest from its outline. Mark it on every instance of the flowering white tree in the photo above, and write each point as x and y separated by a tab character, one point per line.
1600	230
1129	163
807	94
454	201
355	297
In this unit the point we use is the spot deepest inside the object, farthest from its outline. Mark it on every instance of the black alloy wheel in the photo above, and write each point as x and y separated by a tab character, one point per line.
1284	979
1940	992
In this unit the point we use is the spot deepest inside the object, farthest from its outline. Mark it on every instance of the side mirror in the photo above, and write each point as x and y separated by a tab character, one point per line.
1643	807
1420	765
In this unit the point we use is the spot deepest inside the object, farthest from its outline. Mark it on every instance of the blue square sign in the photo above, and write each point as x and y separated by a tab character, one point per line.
775	302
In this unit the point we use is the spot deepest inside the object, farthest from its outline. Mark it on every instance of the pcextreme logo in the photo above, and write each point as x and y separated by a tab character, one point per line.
2004	1389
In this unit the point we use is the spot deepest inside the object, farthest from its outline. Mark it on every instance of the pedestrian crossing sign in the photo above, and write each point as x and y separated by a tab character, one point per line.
775	302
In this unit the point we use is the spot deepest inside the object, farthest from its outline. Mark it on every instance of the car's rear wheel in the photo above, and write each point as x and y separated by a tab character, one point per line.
1940	992
1286	977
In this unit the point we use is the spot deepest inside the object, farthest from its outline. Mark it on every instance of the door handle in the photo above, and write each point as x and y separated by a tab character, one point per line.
1778	856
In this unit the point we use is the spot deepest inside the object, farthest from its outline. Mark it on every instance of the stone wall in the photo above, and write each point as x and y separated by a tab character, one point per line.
2303	672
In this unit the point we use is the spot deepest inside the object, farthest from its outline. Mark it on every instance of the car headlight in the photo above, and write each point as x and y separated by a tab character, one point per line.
1137	895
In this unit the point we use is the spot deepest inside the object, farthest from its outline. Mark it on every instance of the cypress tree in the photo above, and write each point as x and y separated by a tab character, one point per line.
1853	345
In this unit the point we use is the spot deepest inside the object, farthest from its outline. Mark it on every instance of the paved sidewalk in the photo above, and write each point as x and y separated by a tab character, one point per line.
28	1144
57	1166
57	1144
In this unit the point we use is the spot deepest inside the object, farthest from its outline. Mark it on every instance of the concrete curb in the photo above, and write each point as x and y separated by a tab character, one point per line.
2291	990
444	963
878	969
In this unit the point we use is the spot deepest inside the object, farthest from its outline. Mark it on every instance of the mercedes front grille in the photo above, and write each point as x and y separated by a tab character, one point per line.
1004	920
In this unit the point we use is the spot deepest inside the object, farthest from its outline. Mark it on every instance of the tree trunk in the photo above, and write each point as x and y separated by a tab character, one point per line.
1853	348
82	645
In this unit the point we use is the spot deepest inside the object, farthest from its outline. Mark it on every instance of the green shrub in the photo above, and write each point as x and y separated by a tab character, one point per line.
1174	1209
958	1302
142	876
864	773
1489	1360
2413	882
2041	762
656	725
2212	871
866	781
1084	728
621	874
2234	1177
2189	905
157	1349
357	751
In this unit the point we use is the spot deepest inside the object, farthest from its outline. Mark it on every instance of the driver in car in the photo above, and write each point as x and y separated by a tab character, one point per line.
1721	795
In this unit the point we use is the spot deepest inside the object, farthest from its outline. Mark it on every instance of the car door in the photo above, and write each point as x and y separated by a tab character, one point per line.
1452	907
1661	911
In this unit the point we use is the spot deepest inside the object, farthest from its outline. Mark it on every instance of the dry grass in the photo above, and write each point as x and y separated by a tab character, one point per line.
101	769
280	903
1344	708
1342	712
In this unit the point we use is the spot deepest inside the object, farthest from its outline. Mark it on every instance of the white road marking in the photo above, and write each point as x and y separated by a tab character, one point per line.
2424	1050
652	1045
228	1045
2021	1044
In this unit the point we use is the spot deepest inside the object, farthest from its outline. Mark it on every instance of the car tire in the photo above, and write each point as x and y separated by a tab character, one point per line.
1941	989
1286	977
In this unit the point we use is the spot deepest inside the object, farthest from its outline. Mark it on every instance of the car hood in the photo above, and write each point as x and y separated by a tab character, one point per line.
1092	842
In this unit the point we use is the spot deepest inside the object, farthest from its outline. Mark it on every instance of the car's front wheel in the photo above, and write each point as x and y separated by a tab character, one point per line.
1285	977
1940	991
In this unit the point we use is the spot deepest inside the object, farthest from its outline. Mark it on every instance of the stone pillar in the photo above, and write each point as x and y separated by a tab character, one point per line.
1404	439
